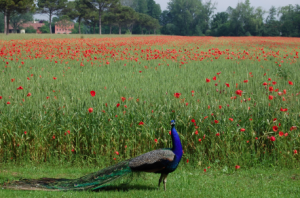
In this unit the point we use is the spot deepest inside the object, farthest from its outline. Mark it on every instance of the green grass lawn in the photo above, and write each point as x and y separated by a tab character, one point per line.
254	182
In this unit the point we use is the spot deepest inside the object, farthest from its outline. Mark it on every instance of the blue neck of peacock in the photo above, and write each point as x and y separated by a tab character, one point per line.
177	148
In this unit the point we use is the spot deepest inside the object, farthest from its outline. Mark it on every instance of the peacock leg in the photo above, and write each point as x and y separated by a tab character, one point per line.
165	181
160	179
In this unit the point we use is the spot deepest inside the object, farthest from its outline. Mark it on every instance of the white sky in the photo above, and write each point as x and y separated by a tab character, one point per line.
222	5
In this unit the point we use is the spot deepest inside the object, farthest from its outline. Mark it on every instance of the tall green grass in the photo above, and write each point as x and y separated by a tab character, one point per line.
149	93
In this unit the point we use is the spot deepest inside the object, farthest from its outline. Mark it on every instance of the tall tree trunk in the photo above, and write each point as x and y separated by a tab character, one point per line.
7	22
99	21
50	15
153	31
110	29
5	26
120	29
94	28
79	22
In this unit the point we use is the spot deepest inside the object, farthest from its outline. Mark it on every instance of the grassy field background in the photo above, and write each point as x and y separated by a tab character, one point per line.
235	101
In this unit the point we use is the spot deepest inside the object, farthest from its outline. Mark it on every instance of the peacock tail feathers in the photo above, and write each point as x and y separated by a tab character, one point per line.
91	181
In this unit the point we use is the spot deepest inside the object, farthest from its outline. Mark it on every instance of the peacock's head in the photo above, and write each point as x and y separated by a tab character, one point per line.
172	122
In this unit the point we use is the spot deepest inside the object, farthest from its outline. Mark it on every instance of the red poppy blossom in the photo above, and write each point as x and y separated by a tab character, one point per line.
272	138
54	78
280	133
29	94
295	151
8	102
90	110
290	82
245	81
123	99
118	105
155	140
216	121
187	161
242	129
227	84
214	78
220	107
271	97
0	97
141	123
207	80
293	128
275	128
193	121
93	93
196	132
204	170
217	134
200	140
286	134
117	152
53	137
281	109
231	119
237	167
265	83
20	88
239	92
177	95
269	79
271	89
25	132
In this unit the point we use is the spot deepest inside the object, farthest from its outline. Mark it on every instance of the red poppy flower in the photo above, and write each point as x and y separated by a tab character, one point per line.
214	78
216	121
93	93
293	128
117	152
207	80
155	140
218	134
68	131
25	132
90	110
53	137
290	82
208	107
237	167
54	78
231	119
227	84
200	140
239	92
141	123
280	133
0	97
177	95
118	105
270	97
275	128
123	99
272	138
29	94
245	81
47	97
242	129
20	88
140	71
275	119
187	161
269	79
274	82
281	109
295	151
204	170
193	121
271	89
193	91
220	107
286	134
265	83
196	132
284	91
205	117
8	102
170	132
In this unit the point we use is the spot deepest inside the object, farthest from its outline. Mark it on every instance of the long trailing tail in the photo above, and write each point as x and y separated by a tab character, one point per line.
91	181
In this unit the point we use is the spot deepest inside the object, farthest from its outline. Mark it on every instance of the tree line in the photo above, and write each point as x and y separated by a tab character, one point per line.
182	17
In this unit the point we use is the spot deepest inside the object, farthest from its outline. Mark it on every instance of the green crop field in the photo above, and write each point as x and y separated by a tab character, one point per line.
83	100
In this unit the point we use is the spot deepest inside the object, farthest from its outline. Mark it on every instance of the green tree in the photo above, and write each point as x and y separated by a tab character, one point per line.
17	19
100	6
51	8
30	29
19	6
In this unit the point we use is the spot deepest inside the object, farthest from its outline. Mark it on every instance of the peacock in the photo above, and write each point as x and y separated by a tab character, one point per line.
163	161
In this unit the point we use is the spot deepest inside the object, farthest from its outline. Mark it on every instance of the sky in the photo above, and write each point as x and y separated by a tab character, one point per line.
222	5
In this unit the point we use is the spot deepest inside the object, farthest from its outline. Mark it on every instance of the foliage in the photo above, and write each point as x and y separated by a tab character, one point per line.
17	19
30	29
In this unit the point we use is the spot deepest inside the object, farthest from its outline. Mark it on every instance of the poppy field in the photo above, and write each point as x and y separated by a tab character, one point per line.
89	100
